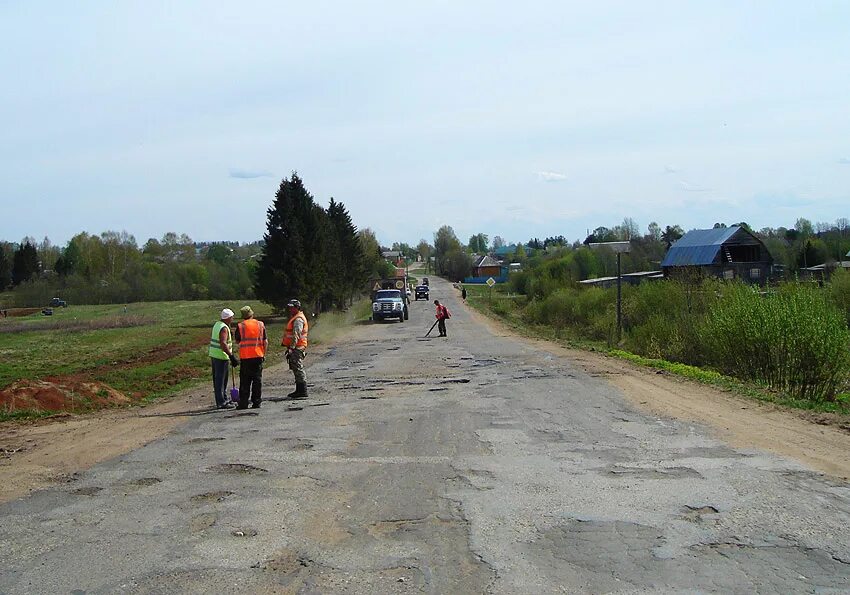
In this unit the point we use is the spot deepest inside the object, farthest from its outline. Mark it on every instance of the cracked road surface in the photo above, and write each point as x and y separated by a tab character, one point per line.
473	464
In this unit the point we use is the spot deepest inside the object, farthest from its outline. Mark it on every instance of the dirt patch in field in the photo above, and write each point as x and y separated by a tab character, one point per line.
70	395
10	312
84	391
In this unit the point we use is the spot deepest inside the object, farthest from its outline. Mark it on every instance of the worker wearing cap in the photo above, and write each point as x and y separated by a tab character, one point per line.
253	343
295	341
220	351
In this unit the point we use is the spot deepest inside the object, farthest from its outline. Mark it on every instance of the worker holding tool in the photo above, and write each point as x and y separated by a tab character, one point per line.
442	315
295	341
253	343
220	351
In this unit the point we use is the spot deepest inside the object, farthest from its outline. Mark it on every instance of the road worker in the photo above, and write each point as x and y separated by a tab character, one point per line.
220	351
442	315
253	343
295	341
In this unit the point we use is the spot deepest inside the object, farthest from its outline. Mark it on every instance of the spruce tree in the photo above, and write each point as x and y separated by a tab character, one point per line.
5	267
352	269
282	272
24	263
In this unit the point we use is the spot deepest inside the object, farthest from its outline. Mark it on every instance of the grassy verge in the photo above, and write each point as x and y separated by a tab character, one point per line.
502	306
158	358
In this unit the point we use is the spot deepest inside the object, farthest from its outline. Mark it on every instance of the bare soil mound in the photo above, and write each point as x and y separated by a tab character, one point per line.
68	395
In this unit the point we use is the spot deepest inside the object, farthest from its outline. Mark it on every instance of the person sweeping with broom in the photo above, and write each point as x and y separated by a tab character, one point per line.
295	341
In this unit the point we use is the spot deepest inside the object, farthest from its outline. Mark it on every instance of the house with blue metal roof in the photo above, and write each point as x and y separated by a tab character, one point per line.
725	252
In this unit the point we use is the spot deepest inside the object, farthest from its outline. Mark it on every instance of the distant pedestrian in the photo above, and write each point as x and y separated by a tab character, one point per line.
295	341
463	293
253	343
220	351
442	315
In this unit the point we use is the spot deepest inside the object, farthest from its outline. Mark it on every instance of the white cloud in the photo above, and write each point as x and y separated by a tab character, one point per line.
550	176
688	187
243	174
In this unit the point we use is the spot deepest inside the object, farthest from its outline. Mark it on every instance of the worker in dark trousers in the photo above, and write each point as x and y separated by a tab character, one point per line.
253	343
442	315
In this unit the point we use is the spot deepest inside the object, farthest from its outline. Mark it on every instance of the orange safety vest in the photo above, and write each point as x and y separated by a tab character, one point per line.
288	334
251	339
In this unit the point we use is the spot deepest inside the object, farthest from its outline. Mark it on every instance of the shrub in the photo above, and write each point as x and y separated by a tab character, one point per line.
660	318
839	291
794	340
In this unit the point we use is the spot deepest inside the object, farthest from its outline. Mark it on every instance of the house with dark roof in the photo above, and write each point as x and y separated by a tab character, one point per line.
487	266
725	252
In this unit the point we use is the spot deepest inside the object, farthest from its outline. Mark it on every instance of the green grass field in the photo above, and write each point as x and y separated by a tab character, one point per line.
152	350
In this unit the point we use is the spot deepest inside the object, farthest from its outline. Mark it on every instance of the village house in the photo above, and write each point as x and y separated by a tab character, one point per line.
725	252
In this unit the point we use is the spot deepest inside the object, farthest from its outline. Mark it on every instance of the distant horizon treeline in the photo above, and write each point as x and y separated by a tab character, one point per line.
309	253
803	245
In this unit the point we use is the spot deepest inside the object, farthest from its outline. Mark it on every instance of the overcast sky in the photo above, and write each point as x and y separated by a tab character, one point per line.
517	119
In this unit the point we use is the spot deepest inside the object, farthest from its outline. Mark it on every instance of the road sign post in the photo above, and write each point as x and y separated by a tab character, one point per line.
490	283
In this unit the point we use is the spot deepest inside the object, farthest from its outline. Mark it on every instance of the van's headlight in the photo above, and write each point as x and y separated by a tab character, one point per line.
397	306
376	306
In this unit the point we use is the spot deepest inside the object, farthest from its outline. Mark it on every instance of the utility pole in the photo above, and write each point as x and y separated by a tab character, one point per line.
619	302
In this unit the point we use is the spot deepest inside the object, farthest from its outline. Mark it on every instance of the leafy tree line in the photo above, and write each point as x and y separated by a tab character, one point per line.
112	268
314	254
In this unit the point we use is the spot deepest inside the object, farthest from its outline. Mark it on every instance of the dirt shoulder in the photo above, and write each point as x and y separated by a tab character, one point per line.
811	439
36	454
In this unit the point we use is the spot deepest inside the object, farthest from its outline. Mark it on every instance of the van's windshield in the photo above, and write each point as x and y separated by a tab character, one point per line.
388	294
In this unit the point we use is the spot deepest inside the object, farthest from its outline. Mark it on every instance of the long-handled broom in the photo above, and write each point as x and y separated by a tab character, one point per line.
431	329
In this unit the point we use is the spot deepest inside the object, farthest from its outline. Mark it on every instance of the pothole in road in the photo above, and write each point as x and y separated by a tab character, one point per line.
455	381
89	491
713	452
695	513
202	521
145	481
295	443
244	533
217	496
401	527
238	468
204	439
439	388
286	562
483	363
662	473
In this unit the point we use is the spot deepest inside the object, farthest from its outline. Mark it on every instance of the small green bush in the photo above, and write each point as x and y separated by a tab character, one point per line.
839	291
795	340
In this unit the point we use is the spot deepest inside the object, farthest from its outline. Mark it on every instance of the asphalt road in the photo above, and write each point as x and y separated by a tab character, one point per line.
472	464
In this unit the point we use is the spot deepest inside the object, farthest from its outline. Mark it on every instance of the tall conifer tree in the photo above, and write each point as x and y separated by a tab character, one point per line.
352	264
282	271
24	263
